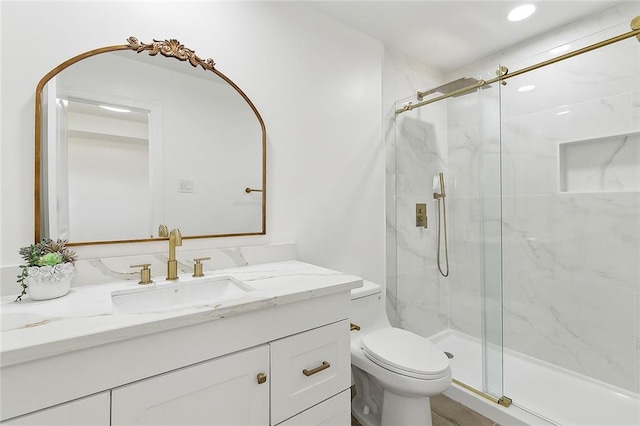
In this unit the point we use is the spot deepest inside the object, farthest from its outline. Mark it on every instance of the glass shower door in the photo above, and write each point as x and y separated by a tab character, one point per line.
461	312
491	202
571	232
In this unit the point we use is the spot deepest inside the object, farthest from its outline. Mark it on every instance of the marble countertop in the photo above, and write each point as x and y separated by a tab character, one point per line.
85	316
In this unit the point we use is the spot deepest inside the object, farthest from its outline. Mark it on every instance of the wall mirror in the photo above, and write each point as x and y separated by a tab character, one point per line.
135	136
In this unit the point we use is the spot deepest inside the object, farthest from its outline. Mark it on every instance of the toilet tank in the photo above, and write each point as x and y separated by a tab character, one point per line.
368	307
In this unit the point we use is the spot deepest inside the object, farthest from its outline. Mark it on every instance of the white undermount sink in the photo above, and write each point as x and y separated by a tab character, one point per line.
166	297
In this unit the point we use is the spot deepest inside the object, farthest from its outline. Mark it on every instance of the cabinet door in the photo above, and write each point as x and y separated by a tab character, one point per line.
308	368
334	411
90	411
223	391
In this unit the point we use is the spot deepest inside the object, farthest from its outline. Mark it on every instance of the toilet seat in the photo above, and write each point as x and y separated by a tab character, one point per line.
405	353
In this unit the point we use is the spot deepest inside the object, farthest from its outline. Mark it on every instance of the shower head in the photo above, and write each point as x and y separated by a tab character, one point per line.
450	87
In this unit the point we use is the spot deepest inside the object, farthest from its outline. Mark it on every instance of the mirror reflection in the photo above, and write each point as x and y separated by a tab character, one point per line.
131	141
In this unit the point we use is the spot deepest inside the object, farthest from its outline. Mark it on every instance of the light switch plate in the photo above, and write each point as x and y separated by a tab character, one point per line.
185	185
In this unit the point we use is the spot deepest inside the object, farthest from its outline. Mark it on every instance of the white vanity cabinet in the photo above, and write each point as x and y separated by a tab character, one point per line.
90	411
296	376
281	360
229	390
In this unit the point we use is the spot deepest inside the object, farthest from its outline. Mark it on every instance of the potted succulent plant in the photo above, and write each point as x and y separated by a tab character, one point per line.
48	270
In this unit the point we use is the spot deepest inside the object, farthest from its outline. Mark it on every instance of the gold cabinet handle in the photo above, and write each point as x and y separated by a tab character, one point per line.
355	327
262	378
318	369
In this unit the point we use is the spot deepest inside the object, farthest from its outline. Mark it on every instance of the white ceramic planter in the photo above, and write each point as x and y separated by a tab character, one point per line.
49	282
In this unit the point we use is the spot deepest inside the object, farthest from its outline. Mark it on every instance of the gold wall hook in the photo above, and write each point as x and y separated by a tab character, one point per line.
250	190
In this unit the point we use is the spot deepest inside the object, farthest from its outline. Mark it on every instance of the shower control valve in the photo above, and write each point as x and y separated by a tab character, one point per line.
421	215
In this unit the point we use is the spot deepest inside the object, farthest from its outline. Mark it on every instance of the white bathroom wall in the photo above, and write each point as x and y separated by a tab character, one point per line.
570	258
316	83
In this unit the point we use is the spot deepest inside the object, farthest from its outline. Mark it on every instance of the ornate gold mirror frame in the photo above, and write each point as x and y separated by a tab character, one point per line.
169	48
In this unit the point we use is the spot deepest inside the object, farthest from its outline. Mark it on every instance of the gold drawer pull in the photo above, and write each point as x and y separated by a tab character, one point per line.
318	369
262	378
355	327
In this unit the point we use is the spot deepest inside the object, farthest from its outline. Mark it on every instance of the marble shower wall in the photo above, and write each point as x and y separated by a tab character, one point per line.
474	215
567	257
571	256
415	151
459	137
570	251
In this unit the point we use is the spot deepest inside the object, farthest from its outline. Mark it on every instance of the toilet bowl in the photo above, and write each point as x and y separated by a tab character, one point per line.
394	371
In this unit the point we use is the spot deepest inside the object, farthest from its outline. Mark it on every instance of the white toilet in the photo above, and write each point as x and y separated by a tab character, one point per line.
395	371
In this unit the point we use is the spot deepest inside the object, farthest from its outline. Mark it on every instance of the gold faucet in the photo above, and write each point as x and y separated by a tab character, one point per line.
175	239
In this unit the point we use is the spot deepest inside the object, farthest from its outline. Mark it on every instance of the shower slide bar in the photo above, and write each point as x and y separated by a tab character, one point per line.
504	75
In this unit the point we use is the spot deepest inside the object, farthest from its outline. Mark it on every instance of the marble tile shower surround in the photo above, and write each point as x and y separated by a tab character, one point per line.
422	301
402	76
570	273
571	280
603	164
533	143
424	147
570	260
420	152
420	156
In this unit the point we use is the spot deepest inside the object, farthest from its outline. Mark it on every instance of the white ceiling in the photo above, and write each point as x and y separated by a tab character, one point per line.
450	34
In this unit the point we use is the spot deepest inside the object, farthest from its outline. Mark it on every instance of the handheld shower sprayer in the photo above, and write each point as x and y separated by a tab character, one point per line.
441	194
442	224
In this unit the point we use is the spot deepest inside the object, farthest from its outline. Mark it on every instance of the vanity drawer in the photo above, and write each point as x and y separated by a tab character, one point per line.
335	411
308	368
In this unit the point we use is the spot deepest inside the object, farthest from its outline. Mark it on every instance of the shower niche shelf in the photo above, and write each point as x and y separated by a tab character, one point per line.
603	164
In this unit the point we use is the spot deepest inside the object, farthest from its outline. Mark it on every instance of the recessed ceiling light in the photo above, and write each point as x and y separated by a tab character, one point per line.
560	49
562	112
526	88
521	12
114	109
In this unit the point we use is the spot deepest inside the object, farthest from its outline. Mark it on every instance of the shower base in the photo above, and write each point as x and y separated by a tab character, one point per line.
542	394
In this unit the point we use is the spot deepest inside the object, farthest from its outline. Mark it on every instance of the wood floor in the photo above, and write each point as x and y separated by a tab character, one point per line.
447	412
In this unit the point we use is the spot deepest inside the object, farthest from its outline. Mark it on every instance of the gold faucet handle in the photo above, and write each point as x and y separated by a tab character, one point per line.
145	273
197	266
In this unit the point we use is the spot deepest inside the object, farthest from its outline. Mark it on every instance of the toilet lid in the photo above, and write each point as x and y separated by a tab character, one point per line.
405	353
